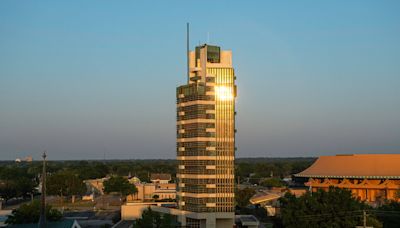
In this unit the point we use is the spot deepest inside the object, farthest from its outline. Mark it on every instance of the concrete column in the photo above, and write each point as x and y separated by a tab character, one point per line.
372	195
182	220
210	223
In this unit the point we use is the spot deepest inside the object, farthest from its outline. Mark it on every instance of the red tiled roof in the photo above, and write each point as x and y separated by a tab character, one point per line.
355	166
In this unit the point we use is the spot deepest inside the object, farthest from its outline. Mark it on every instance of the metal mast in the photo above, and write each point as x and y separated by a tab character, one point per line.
187	52
42	219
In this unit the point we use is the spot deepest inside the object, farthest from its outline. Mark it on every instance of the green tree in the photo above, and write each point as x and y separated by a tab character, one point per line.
8	189
30	213
242	196
243	170
16	182
255	178
90	170
152	219
156	197
333	208
272	182
65	183
389	214
119	184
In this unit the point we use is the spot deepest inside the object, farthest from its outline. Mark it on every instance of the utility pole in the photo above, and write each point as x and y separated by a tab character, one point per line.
364	219
42	219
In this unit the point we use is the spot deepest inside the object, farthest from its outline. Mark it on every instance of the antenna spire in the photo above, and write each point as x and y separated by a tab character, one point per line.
187	51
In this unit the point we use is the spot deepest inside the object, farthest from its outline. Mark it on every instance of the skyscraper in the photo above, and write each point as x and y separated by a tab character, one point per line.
206	139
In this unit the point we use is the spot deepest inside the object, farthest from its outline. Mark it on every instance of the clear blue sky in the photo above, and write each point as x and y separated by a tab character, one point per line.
87	78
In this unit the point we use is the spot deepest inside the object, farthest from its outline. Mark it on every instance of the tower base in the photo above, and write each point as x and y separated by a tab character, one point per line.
207	220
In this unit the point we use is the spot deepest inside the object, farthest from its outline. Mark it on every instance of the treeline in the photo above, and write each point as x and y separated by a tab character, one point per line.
261	170
17	182
244	167
335	207
22	179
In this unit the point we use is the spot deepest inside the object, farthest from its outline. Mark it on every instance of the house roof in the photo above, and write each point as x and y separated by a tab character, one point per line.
247	220
372	166
160	176
264	197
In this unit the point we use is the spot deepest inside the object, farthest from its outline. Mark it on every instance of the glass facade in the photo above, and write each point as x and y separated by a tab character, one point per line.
225	136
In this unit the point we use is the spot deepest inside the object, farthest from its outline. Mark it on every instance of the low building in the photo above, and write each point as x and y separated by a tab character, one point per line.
88	197
25	159
96	185
246	221
151	191
133	180
28	159
160	178
370	177
133	210
159	189
3	216
269	199
165	191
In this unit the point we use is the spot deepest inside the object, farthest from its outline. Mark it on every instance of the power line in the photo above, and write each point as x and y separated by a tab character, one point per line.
345	214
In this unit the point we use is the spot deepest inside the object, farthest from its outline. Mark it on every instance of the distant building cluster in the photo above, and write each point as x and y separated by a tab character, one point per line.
24	159
160	188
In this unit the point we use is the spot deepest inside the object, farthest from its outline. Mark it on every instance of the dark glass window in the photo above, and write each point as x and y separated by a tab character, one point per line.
213	53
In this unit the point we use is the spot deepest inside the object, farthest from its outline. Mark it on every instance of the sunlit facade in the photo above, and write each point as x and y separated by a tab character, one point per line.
206	139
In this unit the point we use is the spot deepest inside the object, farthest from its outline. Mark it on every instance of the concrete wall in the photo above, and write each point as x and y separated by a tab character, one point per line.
148	190
132	212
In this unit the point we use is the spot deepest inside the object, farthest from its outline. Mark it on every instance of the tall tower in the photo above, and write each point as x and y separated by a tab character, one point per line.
206	139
